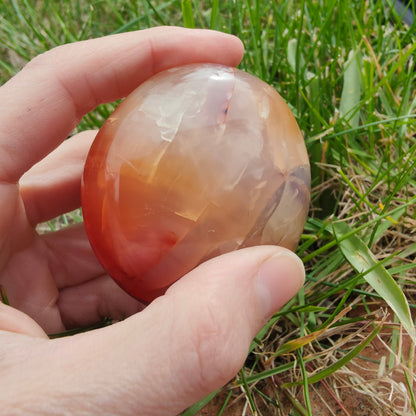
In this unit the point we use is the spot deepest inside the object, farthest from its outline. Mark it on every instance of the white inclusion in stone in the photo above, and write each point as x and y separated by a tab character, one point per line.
223	75
168	110
264	108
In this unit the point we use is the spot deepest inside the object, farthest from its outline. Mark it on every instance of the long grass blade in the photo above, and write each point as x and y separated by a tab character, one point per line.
248	392
363	261
194	409
214	14
159	18
351	91
297	343
305	383
337	365
188	13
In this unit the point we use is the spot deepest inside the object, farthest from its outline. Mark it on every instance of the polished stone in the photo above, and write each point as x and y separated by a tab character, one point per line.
197	161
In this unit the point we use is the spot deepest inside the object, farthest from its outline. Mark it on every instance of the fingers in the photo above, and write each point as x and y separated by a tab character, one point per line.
13	320
41	105
183	346
30	287
52	186
70	257
90	302
86	293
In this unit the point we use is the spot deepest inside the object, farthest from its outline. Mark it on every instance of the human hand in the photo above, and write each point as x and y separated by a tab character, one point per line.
183	345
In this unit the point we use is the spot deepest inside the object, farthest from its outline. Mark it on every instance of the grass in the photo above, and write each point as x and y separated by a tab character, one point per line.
347	70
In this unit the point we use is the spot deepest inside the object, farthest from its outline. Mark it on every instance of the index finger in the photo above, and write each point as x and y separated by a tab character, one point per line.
42	104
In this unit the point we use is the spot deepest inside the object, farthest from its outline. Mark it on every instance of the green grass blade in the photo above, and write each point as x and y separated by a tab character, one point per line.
351	91
295	63
333	243
127	26
159	18
409	385
70	332
195	408
363	261
305	384
3	296
248	392
8	68
188	13
225	403
214	14
255	35
336	366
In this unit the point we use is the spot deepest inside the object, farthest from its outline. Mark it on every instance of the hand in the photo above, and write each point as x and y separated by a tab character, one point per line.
183	345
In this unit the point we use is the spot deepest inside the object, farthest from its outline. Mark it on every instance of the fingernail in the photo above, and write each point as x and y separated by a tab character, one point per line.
278	279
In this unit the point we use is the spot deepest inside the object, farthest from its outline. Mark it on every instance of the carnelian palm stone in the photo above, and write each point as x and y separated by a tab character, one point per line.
197	161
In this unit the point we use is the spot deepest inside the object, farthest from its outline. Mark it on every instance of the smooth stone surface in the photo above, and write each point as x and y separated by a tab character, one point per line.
197	161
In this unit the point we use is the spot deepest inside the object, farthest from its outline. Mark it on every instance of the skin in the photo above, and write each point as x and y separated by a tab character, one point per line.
159	360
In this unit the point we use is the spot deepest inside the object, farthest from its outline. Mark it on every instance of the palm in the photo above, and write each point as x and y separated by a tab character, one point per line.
25	270
53	277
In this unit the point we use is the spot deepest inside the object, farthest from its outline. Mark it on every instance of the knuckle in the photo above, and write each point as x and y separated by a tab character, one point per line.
47	58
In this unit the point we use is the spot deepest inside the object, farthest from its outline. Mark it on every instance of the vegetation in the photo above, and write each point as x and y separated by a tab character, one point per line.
346	343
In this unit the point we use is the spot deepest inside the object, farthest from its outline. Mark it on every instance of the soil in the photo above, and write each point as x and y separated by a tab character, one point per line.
367	387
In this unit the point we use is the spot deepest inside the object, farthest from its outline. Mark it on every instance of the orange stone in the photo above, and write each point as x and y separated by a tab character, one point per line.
197	161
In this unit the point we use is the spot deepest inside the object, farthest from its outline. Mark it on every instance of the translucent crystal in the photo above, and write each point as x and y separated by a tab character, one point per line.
197	161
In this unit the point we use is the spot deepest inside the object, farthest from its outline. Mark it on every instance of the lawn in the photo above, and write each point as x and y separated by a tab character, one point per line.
347	70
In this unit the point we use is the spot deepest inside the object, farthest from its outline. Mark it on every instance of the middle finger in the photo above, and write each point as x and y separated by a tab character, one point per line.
52	186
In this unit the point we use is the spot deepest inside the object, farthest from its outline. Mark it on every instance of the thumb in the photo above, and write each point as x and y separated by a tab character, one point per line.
185	344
